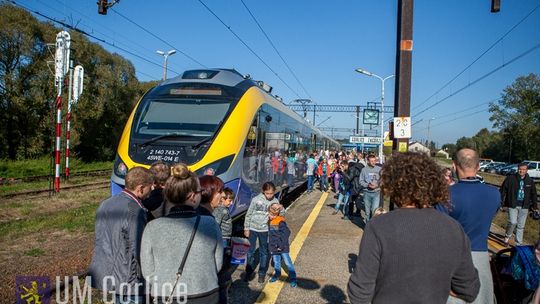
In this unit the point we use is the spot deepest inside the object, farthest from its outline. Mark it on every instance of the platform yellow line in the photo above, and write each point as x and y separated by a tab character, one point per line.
271	291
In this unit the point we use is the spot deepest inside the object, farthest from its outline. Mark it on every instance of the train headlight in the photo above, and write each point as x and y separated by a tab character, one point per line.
216	168
120	169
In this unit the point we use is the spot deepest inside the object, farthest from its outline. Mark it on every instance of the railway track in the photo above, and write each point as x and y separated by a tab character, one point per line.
45	192
7	181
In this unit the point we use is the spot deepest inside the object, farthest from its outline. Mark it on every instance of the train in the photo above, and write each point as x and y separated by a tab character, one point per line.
220	122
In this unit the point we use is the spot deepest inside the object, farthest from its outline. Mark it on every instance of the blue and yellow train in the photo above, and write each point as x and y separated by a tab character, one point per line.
218	122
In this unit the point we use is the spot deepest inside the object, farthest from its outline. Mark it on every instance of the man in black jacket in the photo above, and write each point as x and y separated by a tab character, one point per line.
120	221
518	193
351	175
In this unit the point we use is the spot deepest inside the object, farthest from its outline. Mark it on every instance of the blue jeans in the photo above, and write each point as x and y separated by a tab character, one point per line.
371	202
310	183
516	217
323	183
263	252
129	299
342	200
290	180
288	262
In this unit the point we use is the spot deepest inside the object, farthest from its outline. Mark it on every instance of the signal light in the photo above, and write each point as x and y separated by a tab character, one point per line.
103	5
495	6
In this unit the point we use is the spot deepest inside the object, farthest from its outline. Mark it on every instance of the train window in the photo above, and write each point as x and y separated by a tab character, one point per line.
187	117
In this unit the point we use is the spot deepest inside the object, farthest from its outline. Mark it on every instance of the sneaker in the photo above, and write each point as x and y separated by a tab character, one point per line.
506	239
345	218
294	284
247	276
261	279
272	279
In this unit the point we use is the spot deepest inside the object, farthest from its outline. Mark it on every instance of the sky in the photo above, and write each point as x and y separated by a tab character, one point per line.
323	42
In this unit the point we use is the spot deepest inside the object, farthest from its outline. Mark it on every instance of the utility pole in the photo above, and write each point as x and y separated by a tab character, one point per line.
404	47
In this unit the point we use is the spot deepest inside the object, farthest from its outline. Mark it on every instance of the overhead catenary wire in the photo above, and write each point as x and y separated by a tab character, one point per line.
85	33
454	119
481	55
482	77
115	42
159	38
249	48
92	30
275	49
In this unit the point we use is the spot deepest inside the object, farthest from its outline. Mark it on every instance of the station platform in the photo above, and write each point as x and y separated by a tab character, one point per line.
324	248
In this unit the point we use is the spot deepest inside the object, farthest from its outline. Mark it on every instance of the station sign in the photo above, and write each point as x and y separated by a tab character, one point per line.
364	140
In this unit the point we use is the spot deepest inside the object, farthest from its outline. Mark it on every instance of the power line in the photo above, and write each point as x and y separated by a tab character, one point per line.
275	49
454	119
482	77
249	48
83	32
105	27
481	55
104	34
159	38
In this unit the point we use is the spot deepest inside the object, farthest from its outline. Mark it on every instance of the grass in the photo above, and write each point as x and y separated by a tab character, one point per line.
41	166
35	252
77	219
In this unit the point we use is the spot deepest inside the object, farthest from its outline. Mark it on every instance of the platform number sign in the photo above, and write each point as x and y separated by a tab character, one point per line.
402	127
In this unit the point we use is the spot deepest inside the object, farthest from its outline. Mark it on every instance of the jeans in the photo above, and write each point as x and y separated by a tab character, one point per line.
129	299
516	217
290	180
485	295
371	202
310	183
323	182
342	199
263	252
288	262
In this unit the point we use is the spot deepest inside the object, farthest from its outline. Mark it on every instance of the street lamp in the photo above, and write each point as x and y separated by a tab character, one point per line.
428	134
166	56
362	71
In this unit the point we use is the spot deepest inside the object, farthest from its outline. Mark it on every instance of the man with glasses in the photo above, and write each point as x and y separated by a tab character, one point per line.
518	193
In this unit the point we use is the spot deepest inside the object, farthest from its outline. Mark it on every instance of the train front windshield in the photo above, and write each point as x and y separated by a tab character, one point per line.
189	118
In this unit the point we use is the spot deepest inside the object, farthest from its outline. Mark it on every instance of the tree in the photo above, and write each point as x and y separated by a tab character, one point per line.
27	93
517	116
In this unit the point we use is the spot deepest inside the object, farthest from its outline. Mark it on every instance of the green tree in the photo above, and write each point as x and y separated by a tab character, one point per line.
23	72
517	116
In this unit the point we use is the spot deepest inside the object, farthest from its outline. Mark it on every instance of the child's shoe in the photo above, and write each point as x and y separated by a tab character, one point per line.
272	279
294	284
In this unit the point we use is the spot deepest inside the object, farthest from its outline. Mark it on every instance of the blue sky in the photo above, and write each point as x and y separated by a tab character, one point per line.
323	42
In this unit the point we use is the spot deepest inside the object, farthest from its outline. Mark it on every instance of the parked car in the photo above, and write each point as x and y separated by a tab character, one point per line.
495	167
534	168
489	167
507	170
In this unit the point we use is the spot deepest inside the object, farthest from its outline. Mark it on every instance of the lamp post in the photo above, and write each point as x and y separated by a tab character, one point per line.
165	56
362	71
429	135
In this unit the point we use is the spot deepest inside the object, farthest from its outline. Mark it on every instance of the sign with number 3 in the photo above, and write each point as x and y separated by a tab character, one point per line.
402	127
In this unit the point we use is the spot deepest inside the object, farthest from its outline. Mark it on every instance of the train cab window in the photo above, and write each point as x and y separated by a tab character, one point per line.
194	118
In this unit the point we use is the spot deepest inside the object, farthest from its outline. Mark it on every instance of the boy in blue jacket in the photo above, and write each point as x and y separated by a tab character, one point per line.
278	243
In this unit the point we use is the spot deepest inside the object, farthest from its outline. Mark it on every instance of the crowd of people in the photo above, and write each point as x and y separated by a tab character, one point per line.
169	229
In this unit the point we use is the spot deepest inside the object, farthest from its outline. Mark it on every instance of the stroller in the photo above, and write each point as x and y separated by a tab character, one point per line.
516	275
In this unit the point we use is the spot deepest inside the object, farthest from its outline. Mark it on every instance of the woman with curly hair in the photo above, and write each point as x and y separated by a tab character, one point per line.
413	254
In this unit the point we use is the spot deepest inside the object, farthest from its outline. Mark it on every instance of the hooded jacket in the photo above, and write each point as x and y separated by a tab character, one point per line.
257	214
278	236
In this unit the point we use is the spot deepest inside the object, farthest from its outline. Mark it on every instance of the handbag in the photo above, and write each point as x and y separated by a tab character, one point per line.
184	258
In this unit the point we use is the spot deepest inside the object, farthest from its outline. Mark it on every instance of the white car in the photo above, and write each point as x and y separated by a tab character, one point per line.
534	168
